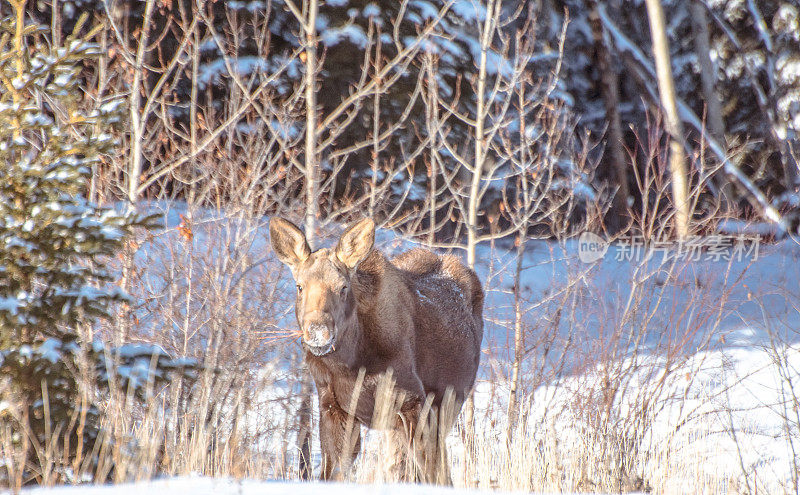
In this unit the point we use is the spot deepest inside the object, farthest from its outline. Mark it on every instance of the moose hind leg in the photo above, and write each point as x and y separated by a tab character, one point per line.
408	461
340	438
420	440
431	448
445	414
434	422
441	472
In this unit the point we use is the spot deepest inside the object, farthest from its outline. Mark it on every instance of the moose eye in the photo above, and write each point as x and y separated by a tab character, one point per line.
343	290
299	289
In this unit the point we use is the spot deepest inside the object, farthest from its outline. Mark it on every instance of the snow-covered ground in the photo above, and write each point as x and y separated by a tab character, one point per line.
224	486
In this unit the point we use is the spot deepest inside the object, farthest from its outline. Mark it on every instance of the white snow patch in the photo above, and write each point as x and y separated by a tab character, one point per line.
351	32
195	485
372	10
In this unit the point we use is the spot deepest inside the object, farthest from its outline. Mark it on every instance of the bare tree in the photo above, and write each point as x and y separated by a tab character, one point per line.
640	68
307	17
484	132
666	86
609	88
716	126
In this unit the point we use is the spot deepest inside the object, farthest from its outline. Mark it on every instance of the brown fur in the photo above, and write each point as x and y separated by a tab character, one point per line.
418	315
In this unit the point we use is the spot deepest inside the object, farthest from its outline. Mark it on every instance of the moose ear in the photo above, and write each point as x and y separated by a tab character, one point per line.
356	243
288	242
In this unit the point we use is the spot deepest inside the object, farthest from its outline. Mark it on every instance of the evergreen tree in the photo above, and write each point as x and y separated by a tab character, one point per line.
54	249
52	240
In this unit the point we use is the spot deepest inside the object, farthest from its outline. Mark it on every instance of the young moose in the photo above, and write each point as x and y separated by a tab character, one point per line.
417	316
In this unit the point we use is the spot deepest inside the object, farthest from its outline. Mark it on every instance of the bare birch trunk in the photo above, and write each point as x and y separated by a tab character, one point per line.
376	130
666	87
524	202
480	143
312	209
195	53
432	123
312	160
135	101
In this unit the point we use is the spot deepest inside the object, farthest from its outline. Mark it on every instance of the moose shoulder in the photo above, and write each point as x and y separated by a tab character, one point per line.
418	315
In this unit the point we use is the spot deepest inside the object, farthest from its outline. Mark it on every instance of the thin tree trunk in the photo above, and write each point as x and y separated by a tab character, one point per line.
432	123
376	128
193	105
480	144
312	210
522	235
487	36
714	122
19	59
102	67
305	467
137	119
666	87
609	89
702	48
311	161
512	412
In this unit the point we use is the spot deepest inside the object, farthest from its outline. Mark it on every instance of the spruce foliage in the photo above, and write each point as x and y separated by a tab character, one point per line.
55	247
52	240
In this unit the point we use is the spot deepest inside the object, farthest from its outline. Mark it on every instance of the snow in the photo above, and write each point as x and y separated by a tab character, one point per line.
251	6
322	22
469	10
371	10
733	226
426	9
63	79
788	69
134	350
351	32
50	350
212	71
112	105
195	485
10	304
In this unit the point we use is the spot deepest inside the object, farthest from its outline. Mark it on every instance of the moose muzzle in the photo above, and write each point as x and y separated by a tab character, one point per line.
318	334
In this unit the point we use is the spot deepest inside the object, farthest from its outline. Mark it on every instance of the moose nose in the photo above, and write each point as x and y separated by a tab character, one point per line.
317	335
318	329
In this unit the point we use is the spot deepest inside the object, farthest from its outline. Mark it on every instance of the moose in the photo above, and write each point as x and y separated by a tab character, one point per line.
416	317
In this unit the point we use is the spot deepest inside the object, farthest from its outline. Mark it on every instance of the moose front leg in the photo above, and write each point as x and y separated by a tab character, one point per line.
339	446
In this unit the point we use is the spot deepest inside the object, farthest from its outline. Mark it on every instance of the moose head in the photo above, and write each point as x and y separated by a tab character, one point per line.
325	304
